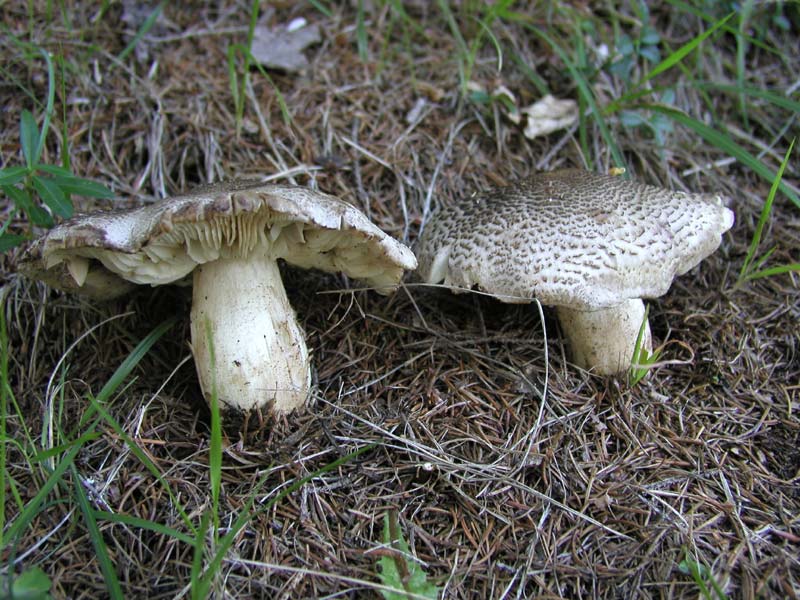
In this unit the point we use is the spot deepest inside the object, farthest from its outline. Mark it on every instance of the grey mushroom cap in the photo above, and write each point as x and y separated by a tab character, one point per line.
163	242
571	238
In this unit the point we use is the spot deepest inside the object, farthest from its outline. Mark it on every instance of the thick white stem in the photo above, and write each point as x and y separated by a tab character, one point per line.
260	350
604	340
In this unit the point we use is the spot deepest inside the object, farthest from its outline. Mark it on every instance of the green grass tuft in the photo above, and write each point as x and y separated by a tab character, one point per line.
238	84
703	577
752	267
146	26
400	570
642	360
53	185
32	584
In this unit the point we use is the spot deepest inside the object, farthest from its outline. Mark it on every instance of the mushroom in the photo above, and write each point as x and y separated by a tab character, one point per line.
229	236
591	245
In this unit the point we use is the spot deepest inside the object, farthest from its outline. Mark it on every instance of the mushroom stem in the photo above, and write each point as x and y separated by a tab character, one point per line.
259	349
604	340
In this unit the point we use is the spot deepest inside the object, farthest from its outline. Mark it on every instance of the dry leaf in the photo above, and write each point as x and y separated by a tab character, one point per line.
549	114
282	47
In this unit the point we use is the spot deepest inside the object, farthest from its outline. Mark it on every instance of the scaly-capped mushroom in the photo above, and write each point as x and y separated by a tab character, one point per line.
591	245
230	235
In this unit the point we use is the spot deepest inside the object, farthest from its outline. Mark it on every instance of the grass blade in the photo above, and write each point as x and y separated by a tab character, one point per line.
51	96
233	82
200	584
691	8
5	392
146	26
681	52
463	49
143	458
12	175
361	32
285	114
96	406
321	8
745	9
143	524
29	138
771	271
33	506
724	143
778	100
747	270
538	82
642	360
71	184
65	156
486	30
53	196
215	445
106	566
238	87
48	453
133	359
246	514
10	240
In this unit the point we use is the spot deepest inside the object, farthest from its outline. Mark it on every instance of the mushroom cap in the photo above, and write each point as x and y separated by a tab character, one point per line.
571	238
163	242
98	283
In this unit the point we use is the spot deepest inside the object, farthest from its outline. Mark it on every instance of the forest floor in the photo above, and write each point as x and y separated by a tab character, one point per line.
511	472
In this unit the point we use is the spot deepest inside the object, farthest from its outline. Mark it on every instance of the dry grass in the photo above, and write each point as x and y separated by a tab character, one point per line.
515	474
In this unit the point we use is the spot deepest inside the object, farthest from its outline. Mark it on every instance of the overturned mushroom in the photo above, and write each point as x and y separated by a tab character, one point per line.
591	245
230	237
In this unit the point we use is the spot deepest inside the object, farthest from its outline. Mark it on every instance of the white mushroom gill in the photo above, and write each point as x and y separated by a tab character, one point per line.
78	268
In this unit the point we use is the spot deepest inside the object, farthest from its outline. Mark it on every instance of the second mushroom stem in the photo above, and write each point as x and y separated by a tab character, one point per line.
259	349
605	339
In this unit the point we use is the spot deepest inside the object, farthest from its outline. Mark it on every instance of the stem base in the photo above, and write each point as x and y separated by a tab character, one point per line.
604	340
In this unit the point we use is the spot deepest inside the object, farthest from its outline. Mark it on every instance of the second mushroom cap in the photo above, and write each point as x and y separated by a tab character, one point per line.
577	240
